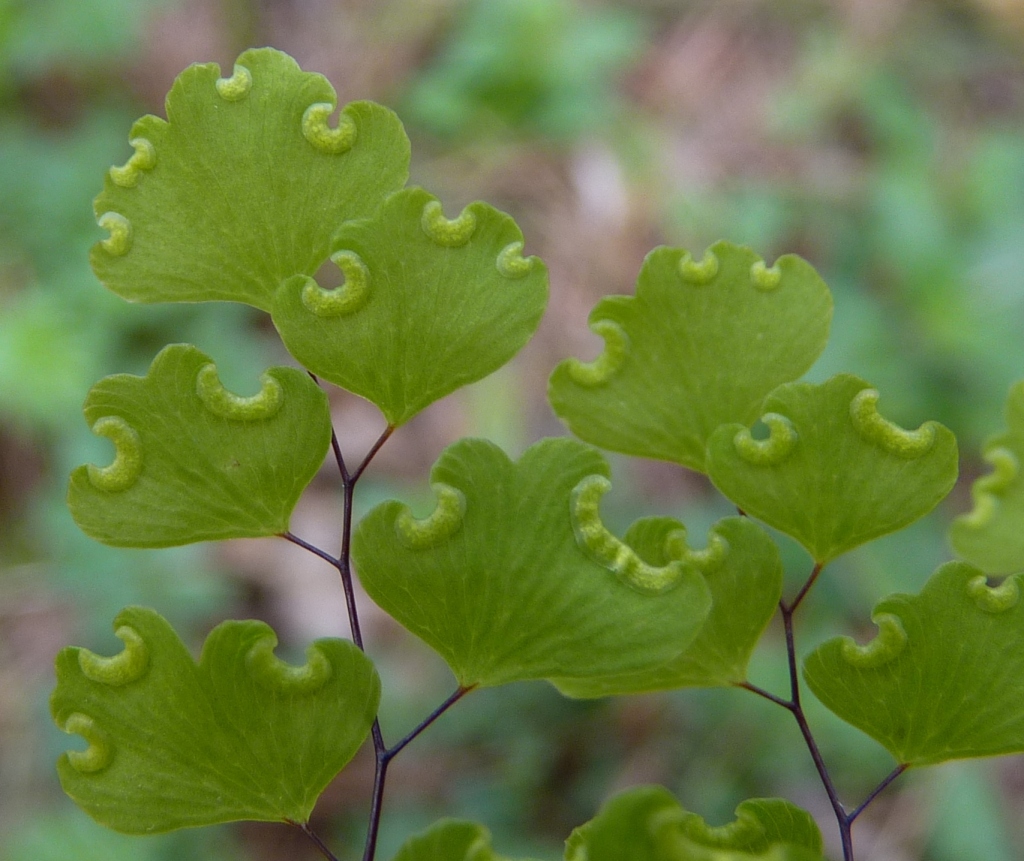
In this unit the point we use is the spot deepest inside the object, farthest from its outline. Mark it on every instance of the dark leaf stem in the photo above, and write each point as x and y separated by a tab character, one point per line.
343	564
315	839
384	757
793	705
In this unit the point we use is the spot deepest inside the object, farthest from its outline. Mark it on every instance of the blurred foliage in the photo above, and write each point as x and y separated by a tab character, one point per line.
525	68
886	146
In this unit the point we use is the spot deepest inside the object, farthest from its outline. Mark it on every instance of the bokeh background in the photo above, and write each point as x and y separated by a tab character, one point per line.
883	140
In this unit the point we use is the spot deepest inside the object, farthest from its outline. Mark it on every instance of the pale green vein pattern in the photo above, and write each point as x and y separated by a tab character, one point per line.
240	735
700	344
944	679
833	473
243	184
195	462
428	303
500	584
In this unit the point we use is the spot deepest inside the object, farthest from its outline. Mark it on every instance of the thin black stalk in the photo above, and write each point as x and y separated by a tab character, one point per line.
348	486
896	772
383	438
320	845
761	692
312	548
384	757
806	588
842	819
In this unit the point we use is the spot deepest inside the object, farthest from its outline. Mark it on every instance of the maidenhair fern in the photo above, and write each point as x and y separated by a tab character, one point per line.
242	194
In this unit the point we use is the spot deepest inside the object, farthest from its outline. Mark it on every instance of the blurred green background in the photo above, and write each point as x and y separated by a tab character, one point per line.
883	140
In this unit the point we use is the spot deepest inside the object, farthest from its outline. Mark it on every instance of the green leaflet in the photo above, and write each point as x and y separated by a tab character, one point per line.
450	840
195	462
648	824
745	591
241	735
428	304
245	180
833	473
944	677
700	344
513	576
992	535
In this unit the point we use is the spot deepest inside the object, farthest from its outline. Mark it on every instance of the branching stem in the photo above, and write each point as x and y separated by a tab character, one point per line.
315	839
384	757
343	564
793	706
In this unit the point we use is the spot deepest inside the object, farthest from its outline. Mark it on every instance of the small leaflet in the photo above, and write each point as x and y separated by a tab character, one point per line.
194	461
240	735
246	180
943	677
513	575
832	472
428	303
699	345
991	535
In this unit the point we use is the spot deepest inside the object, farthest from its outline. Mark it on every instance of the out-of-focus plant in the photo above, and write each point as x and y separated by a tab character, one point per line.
534	68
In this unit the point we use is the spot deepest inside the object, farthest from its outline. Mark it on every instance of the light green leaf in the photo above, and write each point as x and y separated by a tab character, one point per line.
944	677
450	840
833	473
513	576
745	591
241	735
245	180
648	824
700	344
195	462
427	305
992	535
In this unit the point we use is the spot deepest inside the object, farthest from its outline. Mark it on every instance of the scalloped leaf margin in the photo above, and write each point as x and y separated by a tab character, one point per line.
239	736
246	180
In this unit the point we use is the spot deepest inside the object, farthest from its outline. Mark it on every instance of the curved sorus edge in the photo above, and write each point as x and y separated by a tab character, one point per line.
129	665
236	87
321	136
119	242
994	599
227	405
700	273
143	159
882	433
449	233
987	489
782	439
127	465
765	277
511	263
706	560
442	523
605	366
594	539
346	299
100	752
885	647
271	672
